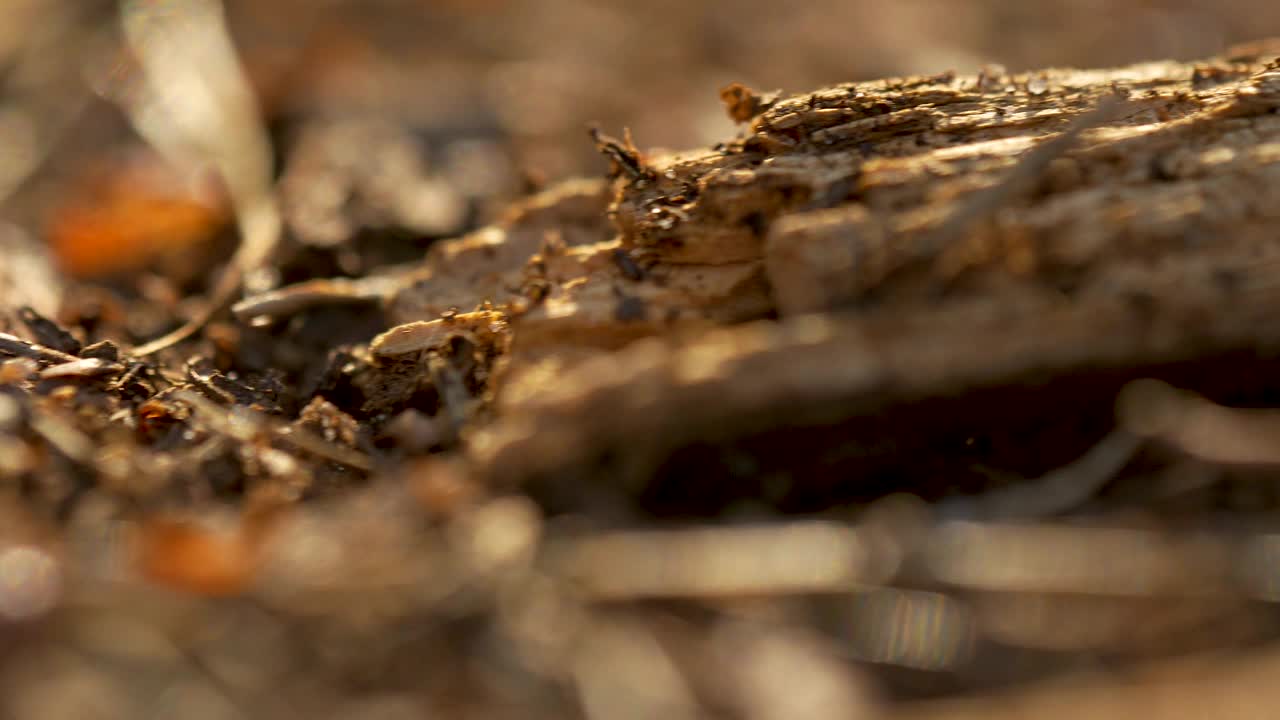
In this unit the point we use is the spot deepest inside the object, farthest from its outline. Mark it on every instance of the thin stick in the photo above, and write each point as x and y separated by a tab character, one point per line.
16	346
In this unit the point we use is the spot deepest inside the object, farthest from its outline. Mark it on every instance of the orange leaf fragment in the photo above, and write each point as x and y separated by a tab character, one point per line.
195	559
125	217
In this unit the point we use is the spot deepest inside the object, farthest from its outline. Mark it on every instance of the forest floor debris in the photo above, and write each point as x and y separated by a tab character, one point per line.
874	399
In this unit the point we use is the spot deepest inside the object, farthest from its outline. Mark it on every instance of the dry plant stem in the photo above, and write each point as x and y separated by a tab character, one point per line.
1045	558
17	347
1241	688
716	562
258	240
1054	493
287	301
85	367
198	106
808	557
1200	428
221	297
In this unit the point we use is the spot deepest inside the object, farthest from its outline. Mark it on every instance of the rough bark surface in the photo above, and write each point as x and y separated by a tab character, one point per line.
967	265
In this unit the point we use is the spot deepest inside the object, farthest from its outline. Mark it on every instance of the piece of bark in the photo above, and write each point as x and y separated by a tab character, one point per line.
964	251
843	192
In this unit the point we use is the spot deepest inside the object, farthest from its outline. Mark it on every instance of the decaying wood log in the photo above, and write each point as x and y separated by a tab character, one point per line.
969	266
975	293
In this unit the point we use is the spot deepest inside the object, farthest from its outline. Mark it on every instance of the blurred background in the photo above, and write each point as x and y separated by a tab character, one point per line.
537	71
